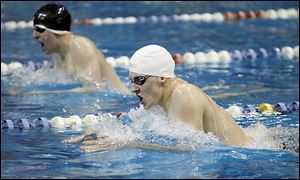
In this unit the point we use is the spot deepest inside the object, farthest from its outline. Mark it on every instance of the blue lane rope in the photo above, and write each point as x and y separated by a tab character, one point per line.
281	108
23	124
41	122
216	17
211	57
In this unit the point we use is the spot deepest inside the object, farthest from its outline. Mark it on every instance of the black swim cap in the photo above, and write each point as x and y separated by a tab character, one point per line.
54	16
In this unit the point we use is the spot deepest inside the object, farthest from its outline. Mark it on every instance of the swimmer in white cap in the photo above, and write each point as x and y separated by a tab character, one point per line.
76	55
151	70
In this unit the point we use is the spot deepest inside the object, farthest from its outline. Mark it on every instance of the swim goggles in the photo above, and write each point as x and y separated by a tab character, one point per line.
139	80
39	29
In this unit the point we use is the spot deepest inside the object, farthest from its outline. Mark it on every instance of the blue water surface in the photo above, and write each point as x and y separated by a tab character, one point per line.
41	152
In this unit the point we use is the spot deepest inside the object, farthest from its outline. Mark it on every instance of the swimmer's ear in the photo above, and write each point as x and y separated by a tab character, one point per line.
162	81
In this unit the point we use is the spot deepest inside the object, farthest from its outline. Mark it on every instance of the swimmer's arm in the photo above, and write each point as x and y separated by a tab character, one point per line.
157	147
95	146
17	91
80	138
110	74
74	90
90	62
90	132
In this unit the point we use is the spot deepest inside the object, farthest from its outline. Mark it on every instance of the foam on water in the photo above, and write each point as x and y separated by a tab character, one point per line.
153	126
48	78
273	138
27	75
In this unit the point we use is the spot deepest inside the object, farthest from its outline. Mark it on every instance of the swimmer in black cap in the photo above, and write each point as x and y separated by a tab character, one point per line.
76	55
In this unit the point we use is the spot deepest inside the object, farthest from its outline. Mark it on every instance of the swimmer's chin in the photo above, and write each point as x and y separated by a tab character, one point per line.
145	106
46	52
142	104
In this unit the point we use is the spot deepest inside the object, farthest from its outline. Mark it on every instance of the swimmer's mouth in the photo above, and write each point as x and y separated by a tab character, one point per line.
41	43
140	98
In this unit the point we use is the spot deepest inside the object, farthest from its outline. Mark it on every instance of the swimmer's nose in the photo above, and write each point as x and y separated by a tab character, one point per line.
135	88
35	34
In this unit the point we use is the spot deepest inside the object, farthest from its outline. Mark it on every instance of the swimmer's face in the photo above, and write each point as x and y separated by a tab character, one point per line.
149	91
47	40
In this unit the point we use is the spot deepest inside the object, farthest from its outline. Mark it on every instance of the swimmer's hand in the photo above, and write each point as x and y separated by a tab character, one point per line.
103	144
13	91
80	138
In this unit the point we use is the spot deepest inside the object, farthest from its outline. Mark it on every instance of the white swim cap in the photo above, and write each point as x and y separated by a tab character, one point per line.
152	60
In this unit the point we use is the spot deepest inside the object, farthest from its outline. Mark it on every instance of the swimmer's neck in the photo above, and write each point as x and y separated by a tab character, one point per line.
64	44
167	92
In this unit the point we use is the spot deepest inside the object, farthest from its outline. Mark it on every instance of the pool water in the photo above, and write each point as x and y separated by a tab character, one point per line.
42	153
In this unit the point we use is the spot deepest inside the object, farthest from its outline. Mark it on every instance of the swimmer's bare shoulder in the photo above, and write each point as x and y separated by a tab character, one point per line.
86	49
188	94
82	44
85	56
186	105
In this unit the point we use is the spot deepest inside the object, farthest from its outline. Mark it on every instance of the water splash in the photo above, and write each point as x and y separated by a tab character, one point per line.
278	137
27	75
47	78
153	126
